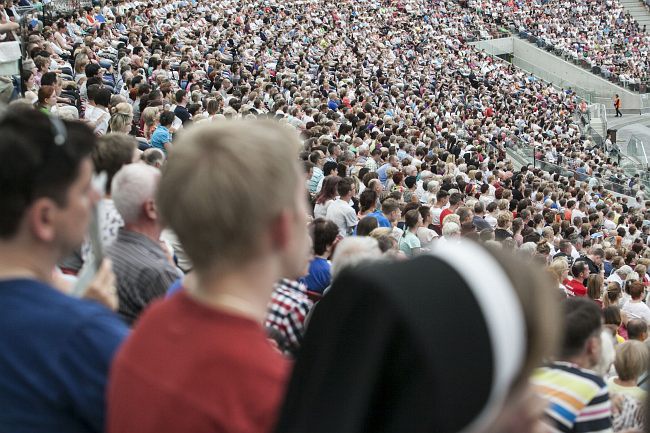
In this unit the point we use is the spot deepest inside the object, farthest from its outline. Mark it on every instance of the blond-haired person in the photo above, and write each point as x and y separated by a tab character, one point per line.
121	118
232	192
630	363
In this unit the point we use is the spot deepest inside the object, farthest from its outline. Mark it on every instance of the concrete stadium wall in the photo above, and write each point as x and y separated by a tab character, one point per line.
561	72
496	47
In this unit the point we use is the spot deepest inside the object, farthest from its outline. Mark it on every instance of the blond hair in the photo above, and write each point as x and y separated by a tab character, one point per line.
558	267
223	183
631	359
121	117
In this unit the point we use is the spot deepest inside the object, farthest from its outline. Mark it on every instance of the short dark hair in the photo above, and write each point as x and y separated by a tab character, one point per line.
442	194
344	187
103	97
368	199
455	198
329	167
314	157
367	225
178	96
167	118
578	268
91	70
48	79
636	328
324	233
33	166
582	319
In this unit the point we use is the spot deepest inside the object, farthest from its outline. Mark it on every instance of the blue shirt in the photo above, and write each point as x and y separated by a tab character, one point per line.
382	221
176	287
319	277
55	354
159	137
381	172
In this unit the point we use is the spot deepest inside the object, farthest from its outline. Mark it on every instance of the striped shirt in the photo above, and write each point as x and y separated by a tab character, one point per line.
578	399
287	312
316	176
142	271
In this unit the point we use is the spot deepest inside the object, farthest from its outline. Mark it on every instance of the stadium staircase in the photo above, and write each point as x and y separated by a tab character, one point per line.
638	11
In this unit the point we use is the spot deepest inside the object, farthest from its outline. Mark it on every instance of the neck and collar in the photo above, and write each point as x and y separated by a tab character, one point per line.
22	261
150	230
244	291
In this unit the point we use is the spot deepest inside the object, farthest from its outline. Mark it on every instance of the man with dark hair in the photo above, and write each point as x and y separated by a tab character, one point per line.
579	272
455	201
564	249
442	198
340	211
181	110
479	221
318	159
55	350
97	114
323	233
637	329
594	260
388	215
162	137
578	397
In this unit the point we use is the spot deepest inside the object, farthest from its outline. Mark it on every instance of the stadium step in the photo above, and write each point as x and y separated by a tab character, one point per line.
638	10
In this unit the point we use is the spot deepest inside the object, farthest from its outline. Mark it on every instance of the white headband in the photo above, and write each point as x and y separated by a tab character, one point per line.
504	318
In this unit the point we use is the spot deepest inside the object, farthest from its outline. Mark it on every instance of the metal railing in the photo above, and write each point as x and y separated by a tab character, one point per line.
636	149
556	80
524	153
645	103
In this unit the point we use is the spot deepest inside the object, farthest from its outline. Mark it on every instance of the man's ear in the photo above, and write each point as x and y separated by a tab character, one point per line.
592	344
280	231
149	209
41	219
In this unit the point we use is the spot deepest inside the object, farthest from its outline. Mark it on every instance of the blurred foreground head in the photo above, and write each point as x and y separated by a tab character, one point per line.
231	191
444	342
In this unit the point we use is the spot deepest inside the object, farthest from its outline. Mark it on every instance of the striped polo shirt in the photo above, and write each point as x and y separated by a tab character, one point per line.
578	398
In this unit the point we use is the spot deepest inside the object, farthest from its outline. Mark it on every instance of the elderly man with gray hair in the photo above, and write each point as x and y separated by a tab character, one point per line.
352	251
143	266
620	275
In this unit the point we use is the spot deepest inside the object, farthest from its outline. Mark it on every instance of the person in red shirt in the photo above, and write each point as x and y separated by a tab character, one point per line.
575	285
455	201
200	361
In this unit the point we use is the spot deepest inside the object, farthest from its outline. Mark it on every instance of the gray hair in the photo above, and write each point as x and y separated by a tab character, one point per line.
353	251
529	249
132	186
450	228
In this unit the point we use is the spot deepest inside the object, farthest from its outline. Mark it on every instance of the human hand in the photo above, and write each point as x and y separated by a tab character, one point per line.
102	288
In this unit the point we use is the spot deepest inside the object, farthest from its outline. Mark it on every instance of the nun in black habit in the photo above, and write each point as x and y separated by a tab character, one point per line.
436	344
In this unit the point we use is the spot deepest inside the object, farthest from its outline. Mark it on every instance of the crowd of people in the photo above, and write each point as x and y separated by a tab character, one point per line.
249	216
602	34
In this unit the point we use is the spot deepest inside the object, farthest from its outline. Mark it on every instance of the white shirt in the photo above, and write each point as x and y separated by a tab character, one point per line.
343	215
320	209
98	118
637	310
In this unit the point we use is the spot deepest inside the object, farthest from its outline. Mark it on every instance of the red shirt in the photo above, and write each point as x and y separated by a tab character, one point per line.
191	368
576	287
445	212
